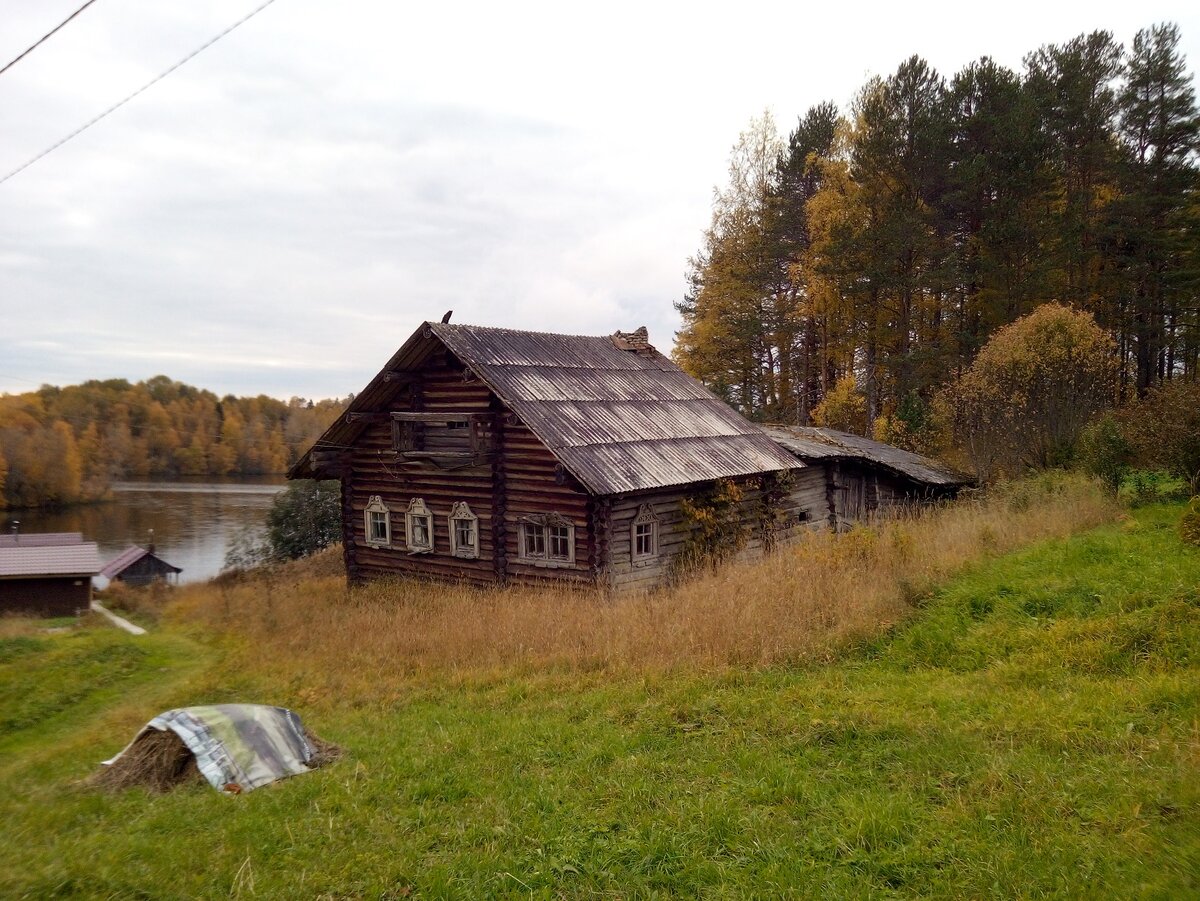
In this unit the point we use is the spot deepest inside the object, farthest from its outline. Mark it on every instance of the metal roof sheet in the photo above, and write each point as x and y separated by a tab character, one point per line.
812	443
40	539
57	560
617	420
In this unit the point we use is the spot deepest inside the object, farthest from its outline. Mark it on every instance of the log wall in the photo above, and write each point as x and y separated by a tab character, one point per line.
516	476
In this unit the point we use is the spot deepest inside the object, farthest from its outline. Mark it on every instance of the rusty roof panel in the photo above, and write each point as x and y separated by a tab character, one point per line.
811	443
54	560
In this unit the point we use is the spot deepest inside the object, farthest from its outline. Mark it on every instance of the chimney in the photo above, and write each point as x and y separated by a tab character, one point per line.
16	530
637	342
150	546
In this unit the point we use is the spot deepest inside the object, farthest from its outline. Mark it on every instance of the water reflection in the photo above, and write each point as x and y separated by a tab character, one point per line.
194	520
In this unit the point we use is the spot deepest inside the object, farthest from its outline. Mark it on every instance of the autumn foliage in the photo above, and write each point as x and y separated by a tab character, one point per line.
63	445
1032	390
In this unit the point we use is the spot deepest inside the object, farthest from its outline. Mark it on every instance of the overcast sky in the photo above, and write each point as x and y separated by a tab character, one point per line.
279	214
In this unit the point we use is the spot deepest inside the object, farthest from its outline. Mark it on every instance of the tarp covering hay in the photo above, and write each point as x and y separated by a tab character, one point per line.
235	747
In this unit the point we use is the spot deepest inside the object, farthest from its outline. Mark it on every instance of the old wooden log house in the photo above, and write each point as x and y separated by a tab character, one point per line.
492	455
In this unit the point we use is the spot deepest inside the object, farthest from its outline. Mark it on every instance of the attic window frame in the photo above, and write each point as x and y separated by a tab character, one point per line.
536	528
376	506
417	510
461	512
408	426
645	517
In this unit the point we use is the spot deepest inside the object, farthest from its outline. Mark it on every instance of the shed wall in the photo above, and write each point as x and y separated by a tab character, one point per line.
57	596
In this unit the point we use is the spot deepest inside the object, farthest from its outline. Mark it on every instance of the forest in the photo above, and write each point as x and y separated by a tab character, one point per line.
864	261
60	446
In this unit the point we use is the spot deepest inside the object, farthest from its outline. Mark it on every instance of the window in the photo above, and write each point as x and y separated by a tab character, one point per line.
378	523
464	531
547	540
404	436
419	527
644	534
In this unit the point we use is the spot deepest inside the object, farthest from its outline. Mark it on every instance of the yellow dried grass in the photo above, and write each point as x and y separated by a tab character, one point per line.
797	604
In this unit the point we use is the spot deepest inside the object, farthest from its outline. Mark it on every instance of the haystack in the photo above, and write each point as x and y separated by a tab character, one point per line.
234	747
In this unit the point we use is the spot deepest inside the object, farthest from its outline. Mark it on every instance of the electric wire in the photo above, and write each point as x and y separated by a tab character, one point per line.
148	84
35	44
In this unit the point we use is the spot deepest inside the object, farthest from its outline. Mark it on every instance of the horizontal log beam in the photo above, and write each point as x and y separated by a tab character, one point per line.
440	417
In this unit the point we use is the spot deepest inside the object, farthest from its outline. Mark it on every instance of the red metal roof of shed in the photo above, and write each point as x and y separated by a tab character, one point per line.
61	560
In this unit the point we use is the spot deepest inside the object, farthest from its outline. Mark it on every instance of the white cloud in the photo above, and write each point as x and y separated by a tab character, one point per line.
280	213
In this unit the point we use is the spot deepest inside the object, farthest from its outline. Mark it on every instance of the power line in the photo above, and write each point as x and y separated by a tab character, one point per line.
35	44
151	83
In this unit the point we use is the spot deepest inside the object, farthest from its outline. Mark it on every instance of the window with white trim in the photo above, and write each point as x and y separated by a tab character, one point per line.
643	534
464	531
418	527
546	540
377	520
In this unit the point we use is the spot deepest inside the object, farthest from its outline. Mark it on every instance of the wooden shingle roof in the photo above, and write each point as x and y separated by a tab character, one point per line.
619	420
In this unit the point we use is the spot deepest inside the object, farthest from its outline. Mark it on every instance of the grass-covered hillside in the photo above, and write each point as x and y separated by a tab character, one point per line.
1027	729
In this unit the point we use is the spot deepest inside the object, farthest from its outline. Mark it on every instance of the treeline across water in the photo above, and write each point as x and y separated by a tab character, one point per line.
883	245
64	445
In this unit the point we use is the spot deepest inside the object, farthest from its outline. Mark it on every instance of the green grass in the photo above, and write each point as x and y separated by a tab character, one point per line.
1032	731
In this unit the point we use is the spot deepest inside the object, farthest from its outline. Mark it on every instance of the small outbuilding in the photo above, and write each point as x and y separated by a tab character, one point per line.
137	565
861	476
48	574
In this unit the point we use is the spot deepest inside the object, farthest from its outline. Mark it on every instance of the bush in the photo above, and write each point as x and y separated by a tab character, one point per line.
304	518
1103	451
1032	389
1163	430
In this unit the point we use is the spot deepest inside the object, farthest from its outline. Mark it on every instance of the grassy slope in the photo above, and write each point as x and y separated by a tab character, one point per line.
1033	732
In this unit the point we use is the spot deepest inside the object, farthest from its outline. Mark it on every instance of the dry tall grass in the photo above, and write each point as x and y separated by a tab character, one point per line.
797	604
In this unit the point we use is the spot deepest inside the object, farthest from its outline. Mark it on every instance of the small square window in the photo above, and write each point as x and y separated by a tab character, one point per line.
377	522
547	540
419	527
535	539
560	542
464	531
644	534
379	526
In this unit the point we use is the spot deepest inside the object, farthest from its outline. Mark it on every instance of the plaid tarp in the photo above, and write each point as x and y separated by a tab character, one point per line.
238	747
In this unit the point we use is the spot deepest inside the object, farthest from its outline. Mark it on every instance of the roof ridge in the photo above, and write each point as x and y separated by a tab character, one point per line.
514	331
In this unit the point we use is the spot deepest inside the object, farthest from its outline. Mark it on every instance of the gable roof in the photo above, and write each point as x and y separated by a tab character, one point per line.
130	556
812	443
81	559
618	420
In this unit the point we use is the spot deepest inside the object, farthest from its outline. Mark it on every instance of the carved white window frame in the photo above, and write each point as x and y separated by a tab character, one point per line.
376	507
418	510
461	512
646	519
535	541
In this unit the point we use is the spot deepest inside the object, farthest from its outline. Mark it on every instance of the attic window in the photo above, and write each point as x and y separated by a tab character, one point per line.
419	527
464	532
377	521
546	540
643	534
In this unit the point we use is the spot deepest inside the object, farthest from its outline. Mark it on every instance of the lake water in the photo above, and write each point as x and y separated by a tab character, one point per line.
194	520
